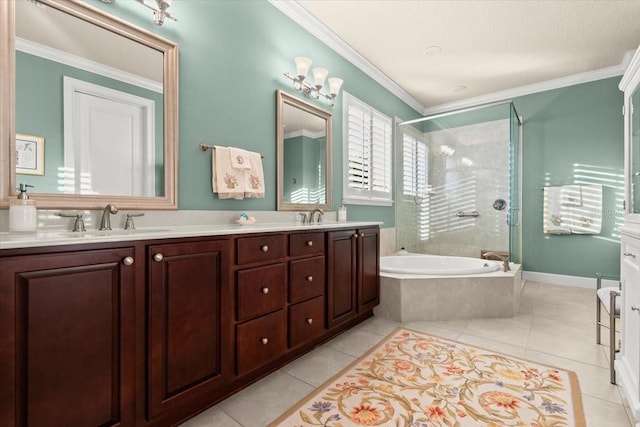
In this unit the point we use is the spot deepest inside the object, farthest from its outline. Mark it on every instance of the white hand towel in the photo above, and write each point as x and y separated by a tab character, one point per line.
254	177
554	221
587	218
240	159
227	182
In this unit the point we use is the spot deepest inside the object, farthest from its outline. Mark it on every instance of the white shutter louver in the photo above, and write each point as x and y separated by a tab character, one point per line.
368	154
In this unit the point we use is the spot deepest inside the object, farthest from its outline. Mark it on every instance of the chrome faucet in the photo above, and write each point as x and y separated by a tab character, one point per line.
105	222
503	258
312	214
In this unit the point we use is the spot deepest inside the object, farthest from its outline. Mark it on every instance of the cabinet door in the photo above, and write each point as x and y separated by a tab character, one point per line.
67	339
341	276
189	334
368	268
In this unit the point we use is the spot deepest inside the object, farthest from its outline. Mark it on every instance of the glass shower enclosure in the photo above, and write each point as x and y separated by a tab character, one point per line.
458	182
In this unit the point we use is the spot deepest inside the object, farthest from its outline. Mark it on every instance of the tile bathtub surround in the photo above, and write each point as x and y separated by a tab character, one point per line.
554	325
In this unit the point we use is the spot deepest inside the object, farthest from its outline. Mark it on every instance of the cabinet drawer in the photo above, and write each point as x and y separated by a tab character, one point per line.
260	341
260	290
306	321
306	279
306	244
261	248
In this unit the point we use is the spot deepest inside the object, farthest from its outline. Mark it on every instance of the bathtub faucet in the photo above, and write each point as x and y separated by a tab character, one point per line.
503	258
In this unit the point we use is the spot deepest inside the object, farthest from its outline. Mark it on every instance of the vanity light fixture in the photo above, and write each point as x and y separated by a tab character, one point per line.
159	10
319	75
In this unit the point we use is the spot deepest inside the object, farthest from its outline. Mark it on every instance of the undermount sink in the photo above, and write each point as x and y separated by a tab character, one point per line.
107	233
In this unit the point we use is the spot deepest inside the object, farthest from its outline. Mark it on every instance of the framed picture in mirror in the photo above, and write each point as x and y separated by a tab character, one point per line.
29	154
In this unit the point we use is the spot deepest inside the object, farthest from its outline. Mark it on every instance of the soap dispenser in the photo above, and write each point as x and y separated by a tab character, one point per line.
22	211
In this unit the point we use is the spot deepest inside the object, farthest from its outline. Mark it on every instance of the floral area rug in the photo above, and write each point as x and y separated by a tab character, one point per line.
416	380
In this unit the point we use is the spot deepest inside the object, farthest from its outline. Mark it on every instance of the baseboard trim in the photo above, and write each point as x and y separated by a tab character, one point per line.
560	279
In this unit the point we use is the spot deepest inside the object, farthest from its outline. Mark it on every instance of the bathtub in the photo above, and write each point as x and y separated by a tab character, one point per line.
432	288
437	265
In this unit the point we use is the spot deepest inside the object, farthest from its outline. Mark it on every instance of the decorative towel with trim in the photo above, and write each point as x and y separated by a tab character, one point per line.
554	220
254	177
226	181
573	209
240	159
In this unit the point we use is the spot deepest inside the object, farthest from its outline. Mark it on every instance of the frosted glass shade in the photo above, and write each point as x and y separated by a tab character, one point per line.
302	66
334	85
319	74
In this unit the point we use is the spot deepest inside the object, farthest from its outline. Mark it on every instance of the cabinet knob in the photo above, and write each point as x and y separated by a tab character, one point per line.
127	260
309	278
264	340
158	257
309	243
309	320
629	254
354	235
264	248
634	308
361	234
265	290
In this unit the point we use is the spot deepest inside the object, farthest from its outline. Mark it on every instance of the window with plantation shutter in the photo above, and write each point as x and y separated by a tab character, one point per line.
367	154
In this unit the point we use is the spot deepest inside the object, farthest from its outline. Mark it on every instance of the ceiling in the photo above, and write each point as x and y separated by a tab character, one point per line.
447	54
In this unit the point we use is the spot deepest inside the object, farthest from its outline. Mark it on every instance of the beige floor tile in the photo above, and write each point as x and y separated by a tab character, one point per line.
576	348
379	325
264	401
600	413
319	365
429	328
513	331
213	417
355	342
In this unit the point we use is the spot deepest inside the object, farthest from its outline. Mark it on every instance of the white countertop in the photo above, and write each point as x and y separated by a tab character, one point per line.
50	237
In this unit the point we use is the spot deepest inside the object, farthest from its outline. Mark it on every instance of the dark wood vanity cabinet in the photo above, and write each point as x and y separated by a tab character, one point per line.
66	339
353	266
189	335
148	333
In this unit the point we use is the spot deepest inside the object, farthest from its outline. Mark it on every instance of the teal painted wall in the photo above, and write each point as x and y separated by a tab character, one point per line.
573	134
232	58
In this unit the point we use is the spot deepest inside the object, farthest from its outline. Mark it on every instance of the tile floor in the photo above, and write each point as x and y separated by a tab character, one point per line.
555	325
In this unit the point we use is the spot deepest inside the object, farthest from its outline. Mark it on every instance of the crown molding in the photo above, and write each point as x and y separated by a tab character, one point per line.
634	65
311	24
46	52
561	82
302	17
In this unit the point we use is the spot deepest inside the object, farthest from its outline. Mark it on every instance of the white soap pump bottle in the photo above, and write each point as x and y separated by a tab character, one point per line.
342	213
22	211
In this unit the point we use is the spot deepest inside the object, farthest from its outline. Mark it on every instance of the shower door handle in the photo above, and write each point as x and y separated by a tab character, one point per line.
510	221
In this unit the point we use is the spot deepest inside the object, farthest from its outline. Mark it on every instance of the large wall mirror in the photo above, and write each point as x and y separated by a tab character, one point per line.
89	108
304	155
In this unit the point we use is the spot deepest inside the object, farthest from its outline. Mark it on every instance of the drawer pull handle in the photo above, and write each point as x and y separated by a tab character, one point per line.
158	257
634	308
309	320
629	254
309	278
264	248
264	340
265	290
127	260
309	243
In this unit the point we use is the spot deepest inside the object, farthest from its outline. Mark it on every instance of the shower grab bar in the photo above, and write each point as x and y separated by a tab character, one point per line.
463	214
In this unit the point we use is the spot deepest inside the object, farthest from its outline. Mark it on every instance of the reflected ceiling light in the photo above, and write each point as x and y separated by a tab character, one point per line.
319	75
159	10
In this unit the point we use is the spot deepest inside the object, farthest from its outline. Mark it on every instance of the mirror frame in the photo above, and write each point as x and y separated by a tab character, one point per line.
283	98
97	17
